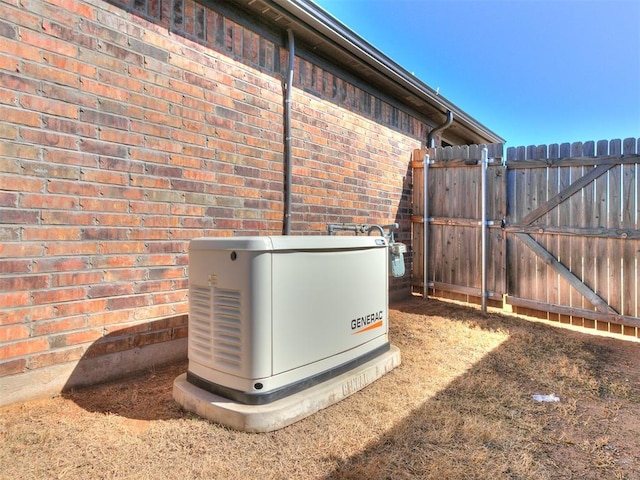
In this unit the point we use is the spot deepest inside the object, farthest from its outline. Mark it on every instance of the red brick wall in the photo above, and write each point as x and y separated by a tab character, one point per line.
125	133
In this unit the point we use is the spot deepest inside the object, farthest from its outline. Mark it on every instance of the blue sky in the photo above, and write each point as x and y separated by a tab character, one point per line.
534	72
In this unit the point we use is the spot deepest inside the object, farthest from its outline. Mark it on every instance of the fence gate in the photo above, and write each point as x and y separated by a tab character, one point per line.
450	218
563	228
572	231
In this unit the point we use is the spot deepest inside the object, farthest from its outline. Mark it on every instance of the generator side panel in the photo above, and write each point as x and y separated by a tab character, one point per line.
229	315
326	303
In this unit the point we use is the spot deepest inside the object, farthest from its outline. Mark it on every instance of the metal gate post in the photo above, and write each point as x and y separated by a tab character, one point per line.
425	223
483	180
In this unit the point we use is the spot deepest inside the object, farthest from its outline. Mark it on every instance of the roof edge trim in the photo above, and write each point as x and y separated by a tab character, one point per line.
323	22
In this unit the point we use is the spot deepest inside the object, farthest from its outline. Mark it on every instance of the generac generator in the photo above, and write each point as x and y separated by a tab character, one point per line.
271	316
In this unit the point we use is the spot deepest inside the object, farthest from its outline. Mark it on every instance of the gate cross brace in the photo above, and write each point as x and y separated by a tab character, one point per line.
566	193
565	273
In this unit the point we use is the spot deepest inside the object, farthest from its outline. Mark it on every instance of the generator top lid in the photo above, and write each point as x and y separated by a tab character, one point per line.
288	242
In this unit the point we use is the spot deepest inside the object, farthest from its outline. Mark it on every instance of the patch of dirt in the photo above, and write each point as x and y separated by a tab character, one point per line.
459	406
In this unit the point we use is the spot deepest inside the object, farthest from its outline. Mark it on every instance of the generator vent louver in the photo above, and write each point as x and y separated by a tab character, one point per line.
200	322
227	327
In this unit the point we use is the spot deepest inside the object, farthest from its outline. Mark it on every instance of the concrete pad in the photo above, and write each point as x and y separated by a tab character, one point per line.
288	410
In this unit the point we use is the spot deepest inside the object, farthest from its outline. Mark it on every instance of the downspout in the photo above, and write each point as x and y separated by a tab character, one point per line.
286	225
431	138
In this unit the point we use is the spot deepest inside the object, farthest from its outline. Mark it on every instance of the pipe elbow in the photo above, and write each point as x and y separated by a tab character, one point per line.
378	227
432	134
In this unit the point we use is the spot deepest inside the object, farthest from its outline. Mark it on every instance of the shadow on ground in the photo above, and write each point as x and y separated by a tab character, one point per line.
145	396
485	423
139	364
459	406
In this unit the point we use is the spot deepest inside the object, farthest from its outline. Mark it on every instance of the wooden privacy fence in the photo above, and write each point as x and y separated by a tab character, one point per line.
561	229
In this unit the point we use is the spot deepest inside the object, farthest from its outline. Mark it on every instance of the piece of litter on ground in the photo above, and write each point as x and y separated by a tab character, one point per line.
545	398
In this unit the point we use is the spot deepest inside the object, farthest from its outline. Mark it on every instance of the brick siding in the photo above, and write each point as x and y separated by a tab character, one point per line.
128	128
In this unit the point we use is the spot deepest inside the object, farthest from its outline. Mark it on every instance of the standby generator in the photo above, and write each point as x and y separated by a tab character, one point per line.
271	316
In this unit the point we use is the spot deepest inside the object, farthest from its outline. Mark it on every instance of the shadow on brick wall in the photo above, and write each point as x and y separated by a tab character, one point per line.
401	287
130	371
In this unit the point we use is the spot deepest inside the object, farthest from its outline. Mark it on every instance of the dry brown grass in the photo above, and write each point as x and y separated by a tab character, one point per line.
459	407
